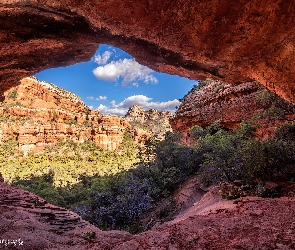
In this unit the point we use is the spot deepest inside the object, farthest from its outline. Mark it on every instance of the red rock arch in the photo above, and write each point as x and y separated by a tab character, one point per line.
228	40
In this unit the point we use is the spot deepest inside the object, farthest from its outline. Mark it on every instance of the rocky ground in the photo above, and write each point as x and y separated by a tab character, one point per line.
210	223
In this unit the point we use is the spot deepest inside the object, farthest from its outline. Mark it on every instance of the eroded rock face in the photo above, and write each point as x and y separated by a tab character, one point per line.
230	40
40	94
151	121
230	104
39	114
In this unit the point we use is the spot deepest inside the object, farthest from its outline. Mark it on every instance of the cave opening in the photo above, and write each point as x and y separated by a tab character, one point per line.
76	156
113	80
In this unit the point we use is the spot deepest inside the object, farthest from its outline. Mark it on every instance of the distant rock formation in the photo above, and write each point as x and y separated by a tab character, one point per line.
154	121
39	114
228	103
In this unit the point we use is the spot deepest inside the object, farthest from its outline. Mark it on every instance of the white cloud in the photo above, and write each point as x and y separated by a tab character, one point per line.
101	98
102	108
102	59
127	69
144	101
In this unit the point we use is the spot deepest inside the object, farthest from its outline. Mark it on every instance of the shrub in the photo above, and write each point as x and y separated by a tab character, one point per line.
273	105
227	156
222	161
267	160
286	132
118	201
231	192
12	94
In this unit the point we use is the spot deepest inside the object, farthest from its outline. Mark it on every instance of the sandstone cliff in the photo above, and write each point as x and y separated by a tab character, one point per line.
230	104
153	121
39	114
232	41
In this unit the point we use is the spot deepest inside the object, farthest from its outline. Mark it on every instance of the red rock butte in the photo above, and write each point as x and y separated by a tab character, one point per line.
233	41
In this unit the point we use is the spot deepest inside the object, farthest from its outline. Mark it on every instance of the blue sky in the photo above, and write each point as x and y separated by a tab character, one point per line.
112	81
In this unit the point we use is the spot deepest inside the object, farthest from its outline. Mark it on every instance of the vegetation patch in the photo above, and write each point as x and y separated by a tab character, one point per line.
117	189
12	94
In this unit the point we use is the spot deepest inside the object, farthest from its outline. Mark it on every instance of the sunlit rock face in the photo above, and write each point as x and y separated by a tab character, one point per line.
40	114
233	41
150	121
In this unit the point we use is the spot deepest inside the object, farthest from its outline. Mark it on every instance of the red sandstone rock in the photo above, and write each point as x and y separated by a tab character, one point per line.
211	223
149	122
39	114
35	94
230	104
232	41
36	224
254	223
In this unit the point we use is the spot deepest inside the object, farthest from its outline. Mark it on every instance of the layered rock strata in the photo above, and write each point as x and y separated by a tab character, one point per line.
154	121
230	104
232	41
29	222
39	114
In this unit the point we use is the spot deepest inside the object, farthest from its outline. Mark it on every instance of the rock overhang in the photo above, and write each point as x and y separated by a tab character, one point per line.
232	41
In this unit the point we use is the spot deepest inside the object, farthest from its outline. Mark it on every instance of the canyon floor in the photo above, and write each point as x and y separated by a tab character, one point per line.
29	222
203	220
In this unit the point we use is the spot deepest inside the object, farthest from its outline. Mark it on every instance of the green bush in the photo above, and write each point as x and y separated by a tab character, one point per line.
273	105
222	161
286	132
228	156
116	189
12	94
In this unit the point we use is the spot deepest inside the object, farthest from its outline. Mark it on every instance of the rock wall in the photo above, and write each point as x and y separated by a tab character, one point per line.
40	94
230	104
229	40
153	121
39	114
